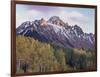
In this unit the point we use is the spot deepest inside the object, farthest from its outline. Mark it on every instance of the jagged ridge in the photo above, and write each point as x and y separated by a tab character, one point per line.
57	32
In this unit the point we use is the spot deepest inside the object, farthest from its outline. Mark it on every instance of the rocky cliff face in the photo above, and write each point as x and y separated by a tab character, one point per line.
58	33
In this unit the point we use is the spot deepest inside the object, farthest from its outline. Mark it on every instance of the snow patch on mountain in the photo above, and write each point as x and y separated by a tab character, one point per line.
56	31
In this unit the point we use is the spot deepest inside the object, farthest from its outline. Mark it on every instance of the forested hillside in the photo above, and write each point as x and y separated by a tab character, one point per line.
35	56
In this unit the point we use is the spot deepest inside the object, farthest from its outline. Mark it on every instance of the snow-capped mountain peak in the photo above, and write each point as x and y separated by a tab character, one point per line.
56	20
57	32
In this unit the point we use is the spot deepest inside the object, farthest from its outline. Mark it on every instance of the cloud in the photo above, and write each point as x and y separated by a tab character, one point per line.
30	15
68	15
77	16
72	18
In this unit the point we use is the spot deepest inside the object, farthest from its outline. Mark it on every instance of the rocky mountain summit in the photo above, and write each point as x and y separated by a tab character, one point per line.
57	32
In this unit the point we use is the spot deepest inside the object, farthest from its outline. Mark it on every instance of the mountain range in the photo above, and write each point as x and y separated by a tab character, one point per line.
57	32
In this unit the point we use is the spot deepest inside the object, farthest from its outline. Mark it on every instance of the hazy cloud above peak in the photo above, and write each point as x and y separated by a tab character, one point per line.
83	17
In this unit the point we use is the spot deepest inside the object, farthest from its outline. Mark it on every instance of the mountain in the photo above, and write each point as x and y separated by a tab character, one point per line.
57	32
56	20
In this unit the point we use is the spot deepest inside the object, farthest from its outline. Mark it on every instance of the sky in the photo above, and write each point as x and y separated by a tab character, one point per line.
83	17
